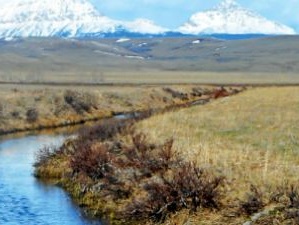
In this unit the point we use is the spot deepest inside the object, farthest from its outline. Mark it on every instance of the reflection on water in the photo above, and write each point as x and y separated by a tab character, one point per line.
24	200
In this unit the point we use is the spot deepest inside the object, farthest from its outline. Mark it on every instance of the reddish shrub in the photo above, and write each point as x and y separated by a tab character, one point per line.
31	115
220	93
254	201
188	187
45	154
146	157
80	102
95	162
176	94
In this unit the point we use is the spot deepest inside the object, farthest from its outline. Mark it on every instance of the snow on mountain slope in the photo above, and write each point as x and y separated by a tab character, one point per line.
67	18
79	18
143	26
230	18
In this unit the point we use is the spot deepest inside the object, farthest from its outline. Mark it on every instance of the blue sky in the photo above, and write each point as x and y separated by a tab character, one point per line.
173	13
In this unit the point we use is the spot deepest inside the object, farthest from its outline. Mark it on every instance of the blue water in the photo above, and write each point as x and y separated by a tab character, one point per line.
25	200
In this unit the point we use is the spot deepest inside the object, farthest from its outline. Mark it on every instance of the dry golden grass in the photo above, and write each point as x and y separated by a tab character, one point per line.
148	76
53	110
251	138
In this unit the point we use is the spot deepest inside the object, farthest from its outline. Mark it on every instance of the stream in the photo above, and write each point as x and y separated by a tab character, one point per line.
26	200
23	198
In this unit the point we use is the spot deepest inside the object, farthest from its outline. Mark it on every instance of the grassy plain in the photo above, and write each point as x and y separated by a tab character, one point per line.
250	139
150	60
29	107
252	136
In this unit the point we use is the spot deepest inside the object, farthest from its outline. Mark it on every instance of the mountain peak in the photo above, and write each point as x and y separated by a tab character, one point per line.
228	4
80	18
67	18
50	10
229	17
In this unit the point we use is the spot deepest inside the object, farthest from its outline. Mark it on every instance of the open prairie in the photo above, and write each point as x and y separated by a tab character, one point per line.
235	159
37	73
152	60
231	160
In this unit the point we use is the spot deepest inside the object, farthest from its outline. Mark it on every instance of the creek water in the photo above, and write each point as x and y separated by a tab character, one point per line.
24	199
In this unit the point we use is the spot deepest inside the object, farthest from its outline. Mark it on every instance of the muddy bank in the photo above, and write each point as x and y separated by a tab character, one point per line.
25	109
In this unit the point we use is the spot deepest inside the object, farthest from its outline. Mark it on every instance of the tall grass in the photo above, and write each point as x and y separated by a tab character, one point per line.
250	137
146	181
215	164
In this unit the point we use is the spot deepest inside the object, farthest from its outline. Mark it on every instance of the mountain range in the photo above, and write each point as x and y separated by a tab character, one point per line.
231	18
79	18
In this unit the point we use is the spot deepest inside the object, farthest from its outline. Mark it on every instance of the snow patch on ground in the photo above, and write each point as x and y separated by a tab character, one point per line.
121	40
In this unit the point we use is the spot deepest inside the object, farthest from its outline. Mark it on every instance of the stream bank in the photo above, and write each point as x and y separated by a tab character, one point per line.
24	109
100	167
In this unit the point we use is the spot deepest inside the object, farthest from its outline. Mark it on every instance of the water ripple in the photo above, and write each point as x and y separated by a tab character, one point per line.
23	200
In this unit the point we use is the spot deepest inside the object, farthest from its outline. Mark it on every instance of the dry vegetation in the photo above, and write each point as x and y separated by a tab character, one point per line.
254	135
232	161
117	174
251	139
25	108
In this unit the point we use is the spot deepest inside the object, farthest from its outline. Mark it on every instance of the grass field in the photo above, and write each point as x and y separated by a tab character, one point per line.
148	77
152	60
30	107
250	139
220	163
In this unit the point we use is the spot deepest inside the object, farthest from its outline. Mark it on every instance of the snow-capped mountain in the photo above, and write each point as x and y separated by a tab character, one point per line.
67	18
230	18
79	18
